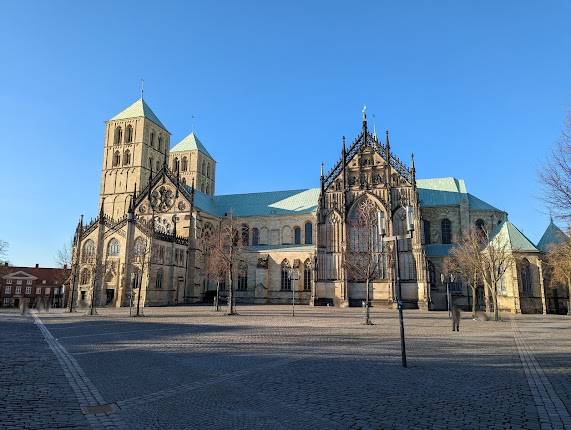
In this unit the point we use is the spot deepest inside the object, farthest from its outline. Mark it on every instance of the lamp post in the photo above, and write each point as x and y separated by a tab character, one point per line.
293	276
409	218
449	279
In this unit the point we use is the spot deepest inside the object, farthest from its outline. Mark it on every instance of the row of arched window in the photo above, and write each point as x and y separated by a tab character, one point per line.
117	158
127	137
159	143
181	164
446	230
286	281
289	236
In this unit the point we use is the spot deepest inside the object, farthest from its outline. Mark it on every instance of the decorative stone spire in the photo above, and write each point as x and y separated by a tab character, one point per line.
412	170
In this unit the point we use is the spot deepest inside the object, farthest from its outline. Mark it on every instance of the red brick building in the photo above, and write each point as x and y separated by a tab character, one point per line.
38	286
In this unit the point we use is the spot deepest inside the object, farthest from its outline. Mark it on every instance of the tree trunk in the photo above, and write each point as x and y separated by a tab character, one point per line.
217	298
230	304
474	291
495	297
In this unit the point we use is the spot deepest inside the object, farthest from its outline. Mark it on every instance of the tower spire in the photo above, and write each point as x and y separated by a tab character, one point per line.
142	87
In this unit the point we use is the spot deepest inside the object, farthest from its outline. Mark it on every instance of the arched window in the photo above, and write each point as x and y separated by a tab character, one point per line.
426	227
175	164
184	166
245	235
152	139
129	134
160	143
297	235
446	230
264	236
243	277
285	279
126	157
116	158
308	233
203	167
140	248
525	275
307	275
480	226
184	181
85	277
255	236
159	279
113	248
88	250
208	170
157	165
118	135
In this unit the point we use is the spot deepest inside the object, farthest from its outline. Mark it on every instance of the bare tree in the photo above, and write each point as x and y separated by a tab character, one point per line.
63	255
214	264
227	248
364	257
466	261
3	251
141	261
559	264
556	175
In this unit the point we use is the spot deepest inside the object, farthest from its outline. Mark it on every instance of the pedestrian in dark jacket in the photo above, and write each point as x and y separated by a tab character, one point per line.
455	319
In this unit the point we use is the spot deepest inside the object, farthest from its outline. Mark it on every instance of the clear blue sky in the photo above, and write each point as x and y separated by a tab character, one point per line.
476	89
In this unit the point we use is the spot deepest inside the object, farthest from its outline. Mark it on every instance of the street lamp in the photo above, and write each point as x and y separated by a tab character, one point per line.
292	275
448	279
409	218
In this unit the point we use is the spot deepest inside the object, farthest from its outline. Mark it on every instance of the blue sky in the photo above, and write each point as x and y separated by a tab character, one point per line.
476	89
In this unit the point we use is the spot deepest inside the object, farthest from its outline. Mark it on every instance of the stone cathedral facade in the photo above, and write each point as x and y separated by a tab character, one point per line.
157	202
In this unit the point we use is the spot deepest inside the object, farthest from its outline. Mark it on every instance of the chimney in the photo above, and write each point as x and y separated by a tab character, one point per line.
64	266
37	265
6	264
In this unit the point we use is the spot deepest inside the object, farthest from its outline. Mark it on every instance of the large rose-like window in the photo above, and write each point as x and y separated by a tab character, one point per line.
162	199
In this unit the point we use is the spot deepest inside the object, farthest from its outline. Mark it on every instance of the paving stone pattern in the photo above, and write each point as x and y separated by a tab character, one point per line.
190	367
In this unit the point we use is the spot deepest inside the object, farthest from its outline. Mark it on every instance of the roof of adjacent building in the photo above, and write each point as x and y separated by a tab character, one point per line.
139	109
292	202
52	275
191	143
448	192
432	192
516	240
553	235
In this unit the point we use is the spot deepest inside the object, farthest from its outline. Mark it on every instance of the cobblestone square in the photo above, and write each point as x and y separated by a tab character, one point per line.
190	367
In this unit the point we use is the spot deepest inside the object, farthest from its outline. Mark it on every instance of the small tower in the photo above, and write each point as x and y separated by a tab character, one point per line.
192	161
136	143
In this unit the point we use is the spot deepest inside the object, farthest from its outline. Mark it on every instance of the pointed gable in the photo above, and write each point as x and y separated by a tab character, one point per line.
516	240
553	235
139	109
191	143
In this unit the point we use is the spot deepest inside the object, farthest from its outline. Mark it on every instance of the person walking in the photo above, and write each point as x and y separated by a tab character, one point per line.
455	318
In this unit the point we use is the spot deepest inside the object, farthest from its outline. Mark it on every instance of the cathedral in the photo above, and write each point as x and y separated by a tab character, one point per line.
157	202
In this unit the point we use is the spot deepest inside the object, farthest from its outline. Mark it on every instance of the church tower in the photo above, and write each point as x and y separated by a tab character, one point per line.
136	145
192	162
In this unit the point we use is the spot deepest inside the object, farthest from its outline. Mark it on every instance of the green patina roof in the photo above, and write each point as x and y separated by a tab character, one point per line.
139	109
517	241
448	192
553	235
190	143
260	204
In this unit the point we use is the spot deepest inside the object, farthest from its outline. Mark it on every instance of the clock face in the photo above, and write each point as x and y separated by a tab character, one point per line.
162	198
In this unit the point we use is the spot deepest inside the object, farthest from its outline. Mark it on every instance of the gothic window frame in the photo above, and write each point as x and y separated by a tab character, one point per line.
160	145
116	159
307	275
85	277
245	234
308	228
88	249
285	280
175	164
152	139
255	236
184	164
126	157
297	235
113	248
129	134
118	135
445	231
159	279
426	231
242	277
525	277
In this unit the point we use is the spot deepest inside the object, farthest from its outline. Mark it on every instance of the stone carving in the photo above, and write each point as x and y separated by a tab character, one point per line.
181	206
162	198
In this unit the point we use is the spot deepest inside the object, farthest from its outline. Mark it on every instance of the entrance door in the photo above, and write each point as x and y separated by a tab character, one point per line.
110	295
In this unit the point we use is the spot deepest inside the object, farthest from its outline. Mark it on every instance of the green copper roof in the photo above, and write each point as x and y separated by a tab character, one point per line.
139	109
260	204
552	236
517	241
191	143
448	192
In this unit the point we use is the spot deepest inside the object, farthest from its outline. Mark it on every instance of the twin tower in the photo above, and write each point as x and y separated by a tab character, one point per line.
137	146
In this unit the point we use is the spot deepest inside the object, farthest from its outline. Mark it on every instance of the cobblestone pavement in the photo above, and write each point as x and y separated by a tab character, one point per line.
190	367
